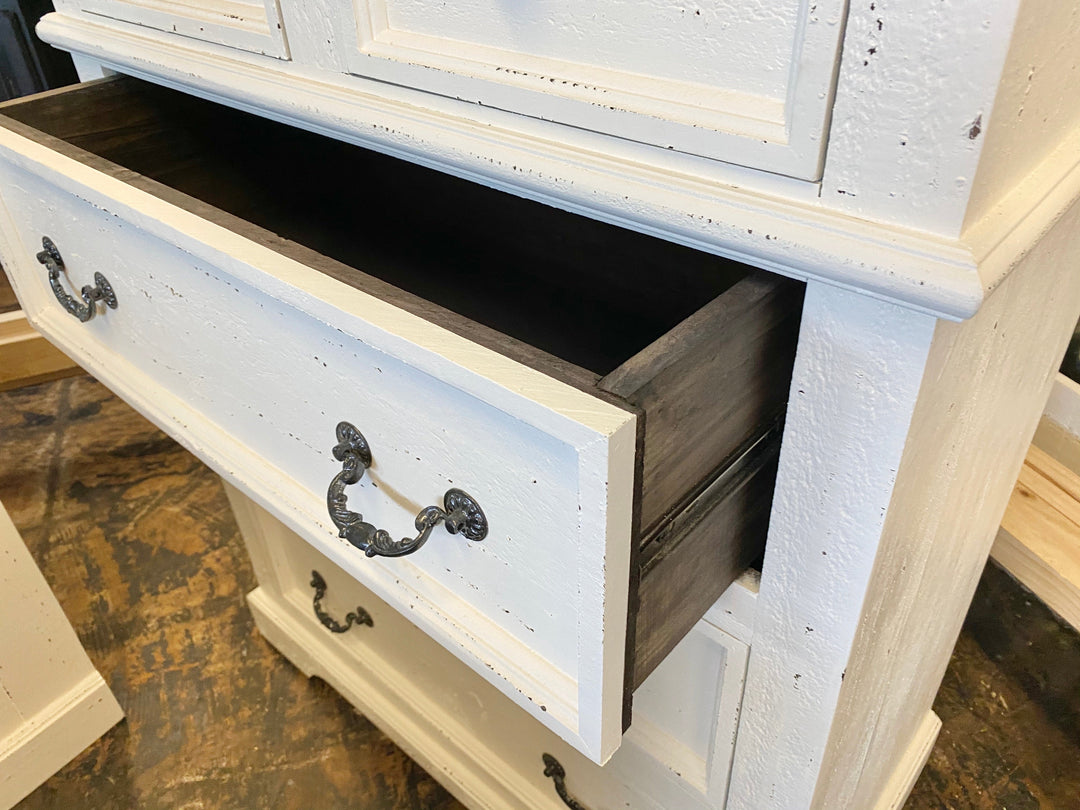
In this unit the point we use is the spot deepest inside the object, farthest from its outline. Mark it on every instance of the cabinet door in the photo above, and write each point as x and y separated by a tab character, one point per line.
744	82
251	25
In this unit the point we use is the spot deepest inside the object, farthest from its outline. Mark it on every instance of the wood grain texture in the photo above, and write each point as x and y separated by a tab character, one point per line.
26	358
693	559
1039	540
715	380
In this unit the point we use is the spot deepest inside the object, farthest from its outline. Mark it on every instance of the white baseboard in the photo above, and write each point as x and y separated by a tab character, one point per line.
907	770
46	742
419	726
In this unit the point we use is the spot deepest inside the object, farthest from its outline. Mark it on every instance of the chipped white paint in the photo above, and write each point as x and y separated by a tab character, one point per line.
197	345
752	84
1036	108
915	95
754	217
904	438
891	478
253	25
53	703
898	170
676	756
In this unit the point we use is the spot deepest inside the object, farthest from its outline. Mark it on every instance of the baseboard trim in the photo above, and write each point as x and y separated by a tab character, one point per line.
54	736
428	734
907	770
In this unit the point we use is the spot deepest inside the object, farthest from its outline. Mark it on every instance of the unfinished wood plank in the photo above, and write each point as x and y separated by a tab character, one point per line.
26	358
1059	476
1039	540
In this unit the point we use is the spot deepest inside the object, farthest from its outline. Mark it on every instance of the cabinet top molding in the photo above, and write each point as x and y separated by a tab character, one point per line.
874	241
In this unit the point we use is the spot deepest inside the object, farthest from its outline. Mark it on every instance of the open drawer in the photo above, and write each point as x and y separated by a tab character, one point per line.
611	402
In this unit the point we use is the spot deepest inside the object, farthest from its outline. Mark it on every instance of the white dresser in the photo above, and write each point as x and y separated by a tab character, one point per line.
581	422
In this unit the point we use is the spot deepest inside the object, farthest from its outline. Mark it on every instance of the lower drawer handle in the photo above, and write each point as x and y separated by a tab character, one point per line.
361	616
86	309
461	513
554	769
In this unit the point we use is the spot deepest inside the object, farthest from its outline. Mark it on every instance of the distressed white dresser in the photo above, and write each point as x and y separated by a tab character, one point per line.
581	420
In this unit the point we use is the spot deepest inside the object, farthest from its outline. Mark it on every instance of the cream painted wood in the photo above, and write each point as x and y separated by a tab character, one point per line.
53	703
903	440
752	84
539	607
1063	411
252	25
676	755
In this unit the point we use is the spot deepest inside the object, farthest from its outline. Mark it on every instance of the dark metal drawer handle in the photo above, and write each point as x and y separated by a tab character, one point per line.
554	769
461	513
361	616
87	308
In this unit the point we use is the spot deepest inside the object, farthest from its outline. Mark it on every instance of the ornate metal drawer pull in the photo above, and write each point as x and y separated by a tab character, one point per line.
85	310
461	513
359	617
554	769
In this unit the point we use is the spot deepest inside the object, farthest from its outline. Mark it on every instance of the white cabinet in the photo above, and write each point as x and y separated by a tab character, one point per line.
938	240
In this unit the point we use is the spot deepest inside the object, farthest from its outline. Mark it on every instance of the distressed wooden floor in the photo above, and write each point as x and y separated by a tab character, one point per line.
136	539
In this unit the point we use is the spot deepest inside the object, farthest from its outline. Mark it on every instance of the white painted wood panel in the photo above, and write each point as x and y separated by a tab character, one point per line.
752	84
903	440
486	751
53	703
228	347
252	25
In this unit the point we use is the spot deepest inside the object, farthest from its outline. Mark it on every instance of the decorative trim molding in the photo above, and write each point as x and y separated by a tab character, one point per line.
769	222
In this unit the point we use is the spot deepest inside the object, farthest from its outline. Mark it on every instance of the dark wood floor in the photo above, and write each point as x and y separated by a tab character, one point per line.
137	541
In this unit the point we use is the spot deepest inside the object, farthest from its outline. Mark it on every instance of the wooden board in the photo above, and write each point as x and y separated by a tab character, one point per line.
26	358
1039	540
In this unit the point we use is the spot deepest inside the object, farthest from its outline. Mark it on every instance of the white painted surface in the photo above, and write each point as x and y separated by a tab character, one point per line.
253	25
1063	406
915	94
856	380
1035	110
907	131
676	755
752	84
907	769
53	703
893	480
539	607
753	217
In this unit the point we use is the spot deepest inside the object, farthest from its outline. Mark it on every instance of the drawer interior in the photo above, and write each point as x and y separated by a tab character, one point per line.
587	292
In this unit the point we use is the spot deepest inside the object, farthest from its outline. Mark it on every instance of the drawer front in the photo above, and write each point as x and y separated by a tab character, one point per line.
250	359
677	752
741	82
250	25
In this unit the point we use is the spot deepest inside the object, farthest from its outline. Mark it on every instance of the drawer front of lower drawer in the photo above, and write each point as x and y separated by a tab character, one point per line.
676	755
250	359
